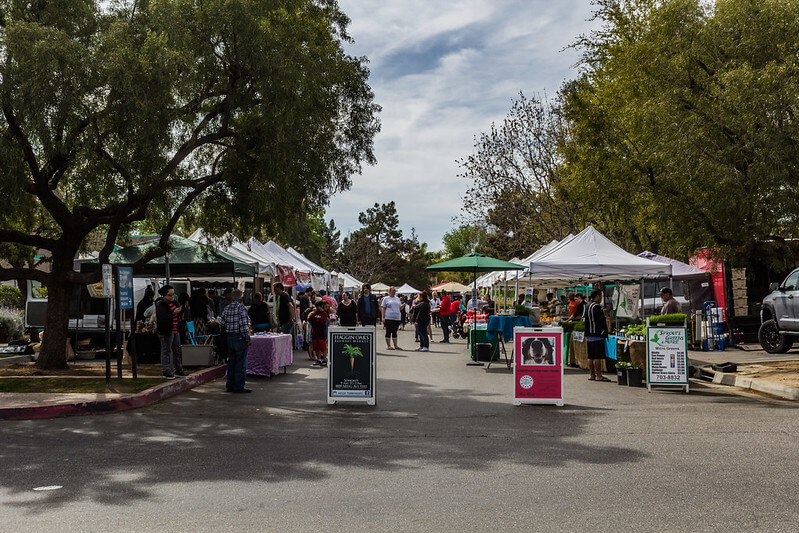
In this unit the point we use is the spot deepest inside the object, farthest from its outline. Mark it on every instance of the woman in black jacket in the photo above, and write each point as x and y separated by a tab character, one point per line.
422	320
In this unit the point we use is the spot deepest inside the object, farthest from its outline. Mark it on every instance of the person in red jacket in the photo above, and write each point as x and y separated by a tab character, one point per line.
444	314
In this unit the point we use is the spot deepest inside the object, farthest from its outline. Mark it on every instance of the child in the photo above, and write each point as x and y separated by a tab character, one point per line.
318	321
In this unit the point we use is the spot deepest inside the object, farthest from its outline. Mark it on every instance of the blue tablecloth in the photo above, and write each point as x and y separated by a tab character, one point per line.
505	324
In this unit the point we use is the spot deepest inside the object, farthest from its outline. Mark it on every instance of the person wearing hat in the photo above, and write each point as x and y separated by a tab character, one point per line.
225	301
670	305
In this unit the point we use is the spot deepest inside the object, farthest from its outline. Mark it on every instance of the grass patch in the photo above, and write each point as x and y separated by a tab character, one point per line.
76	385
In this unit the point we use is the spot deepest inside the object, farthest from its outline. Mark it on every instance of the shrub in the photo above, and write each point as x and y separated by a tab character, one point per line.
12	320
11	297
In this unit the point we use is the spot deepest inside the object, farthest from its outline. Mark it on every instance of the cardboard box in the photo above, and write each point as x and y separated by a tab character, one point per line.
197	354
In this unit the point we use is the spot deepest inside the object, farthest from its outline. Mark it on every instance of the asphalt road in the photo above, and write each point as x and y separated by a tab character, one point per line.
444	449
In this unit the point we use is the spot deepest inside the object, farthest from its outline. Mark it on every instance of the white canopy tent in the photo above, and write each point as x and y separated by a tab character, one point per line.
379	287
407	289
347	282
237	249
591	257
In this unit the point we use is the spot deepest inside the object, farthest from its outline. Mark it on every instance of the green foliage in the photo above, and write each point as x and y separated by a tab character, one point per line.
352	351
673	318
11	297
12	320
520	310
464	239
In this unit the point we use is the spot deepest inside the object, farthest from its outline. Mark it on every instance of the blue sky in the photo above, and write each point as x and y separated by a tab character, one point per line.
444	71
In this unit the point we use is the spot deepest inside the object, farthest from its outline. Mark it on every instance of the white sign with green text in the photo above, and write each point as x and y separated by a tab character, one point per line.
666	356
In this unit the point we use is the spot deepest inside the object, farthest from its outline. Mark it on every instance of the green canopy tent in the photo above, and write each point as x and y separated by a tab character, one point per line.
187	258
474	263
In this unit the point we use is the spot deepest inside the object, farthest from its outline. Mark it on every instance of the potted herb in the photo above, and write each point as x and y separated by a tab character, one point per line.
635	375
621	372
521	310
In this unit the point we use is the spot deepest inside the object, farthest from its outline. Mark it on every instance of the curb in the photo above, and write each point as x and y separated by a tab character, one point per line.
14	359
774	389
141	399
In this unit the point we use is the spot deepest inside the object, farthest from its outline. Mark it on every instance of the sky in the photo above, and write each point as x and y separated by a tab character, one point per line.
443	71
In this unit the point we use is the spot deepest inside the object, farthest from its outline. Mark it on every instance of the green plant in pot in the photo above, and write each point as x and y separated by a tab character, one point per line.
621	372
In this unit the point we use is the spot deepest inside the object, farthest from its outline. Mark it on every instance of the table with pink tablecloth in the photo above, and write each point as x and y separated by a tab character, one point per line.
268	353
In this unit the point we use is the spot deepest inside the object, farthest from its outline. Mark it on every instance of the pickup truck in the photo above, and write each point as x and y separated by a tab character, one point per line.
779	316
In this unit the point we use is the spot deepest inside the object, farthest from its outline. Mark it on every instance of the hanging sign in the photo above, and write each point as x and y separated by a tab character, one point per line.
125	276
108	281
666	356
538	368
627	300
286	276
352	364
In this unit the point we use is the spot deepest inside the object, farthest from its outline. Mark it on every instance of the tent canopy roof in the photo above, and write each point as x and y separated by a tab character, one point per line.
679	270
474	262
590	256
406	289
187	259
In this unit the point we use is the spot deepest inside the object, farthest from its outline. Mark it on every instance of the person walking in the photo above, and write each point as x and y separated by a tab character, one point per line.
347	311
368	308
422	320
318	320
392	315
236	325
596	331
166	316
444	314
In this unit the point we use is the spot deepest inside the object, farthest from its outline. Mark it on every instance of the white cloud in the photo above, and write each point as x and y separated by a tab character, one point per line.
443	71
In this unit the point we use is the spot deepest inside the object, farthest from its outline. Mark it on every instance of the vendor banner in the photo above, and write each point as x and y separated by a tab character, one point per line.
317	281
286	276
627	298
303	278
667	356
538	368
352	364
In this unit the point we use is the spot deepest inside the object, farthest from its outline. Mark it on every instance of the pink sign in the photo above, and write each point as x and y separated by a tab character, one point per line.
538	368
702	260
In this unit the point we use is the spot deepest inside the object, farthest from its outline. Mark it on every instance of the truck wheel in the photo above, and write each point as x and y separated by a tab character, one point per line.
772	340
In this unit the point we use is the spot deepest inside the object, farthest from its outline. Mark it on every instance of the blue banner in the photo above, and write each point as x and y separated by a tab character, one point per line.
125	280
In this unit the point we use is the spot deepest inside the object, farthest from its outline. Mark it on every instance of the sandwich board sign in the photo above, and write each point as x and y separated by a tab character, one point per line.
352	367
666	356
538	365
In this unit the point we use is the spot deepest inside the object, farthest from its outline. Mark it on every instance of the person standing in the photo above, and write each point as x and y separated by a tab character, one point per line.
390	311
670	305
368	307
596	331
285	309
318	320
259	313
435	302
235	323
145	304
227	297
444	315
422	319
347	311
166	316
579	308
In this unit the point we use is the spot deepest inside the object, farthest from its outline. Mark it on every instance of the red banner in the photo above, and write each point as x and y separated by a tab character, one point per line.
286	276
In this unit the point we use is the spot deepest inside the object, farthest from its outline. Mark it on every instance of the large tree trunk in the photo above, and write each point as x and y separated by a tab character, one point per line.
53	354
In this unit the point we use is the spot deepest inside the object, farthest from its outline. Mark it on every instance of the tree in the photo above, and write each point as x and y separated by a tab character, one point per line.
377	251
234	113
514	172
464	239
684	121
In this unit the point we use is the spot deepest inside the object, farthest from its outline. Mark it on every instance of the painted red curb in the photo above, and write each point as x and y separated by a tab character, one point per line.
146	397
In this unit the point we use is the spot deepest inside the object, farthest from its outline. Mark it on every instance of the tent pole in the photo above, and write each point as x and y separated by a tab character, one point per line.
643	300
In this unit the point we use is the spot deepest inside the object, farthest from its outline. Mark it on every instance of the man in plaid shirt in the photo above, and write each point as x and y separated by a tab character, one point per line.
236	325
